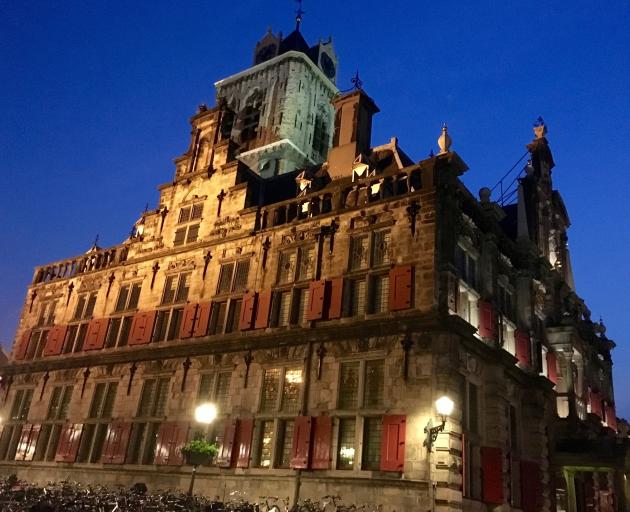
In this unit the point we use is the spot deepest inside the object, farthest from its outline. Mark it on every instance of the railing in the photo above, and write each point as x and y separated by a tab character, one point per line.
91	261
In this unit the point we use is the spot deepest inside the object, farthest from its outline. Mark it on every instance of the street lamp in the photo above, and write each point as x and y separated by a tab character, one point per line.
205	413
444	407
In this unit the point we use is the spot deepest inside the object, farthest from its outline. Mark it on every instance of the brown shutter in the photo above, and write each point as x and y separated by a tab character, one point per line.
400	290
552	367
316	296
163	444
69	443
393	443
22	447
96	332
226	453
248	309
335	301
116	441
531	486
611	416
188	321
322	439
492	475
486	318
202	320
301	449
55	339
142	327
21	346
244	443
522	346
263	309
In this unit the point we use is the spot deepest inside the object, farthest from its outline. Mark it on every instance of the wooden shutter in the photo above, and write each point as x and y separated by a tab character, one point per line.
400	290
552	367
522	347
69	440
244	443
263	310
248	310
21	346
335	300
492	475
611	416
179	439
531	486
322	440
55	339
316	297
163	444
96	332
116	441
226	453
142	327
595	400
393	443
22	446
188	321
486	319
202	320
300	451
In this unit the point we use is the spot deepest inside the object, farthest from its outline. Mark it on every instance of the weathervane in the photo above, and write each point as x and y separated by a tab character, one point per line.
298	15
357	82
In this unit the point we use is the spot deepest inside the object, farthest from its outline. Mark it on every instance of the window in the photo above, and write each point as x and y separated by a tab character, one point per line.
380	293
506	300
466	266
234	312
75	338
357	297
374	388
85	306
359	252
12	430
176	288
282	309
167	324
284	460
250	117
188	234
349	385
296	264
380	247
265	444
231	280
286	266
153	398
118	332
362	384
215	387
372	430
320	136
21	404
217	317
471	482
46	313
468	304
97	423
48	439
190	213
36	344
306	263
128	297
282	390
301	309
507	335
345	451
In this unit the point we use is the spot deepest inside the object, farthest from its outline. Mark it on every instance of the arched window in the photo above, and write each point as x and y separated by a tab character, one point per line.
250	117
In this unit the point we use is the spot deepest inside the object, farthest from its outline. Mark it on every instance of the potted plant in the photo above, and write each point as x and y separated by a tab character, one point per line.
199	452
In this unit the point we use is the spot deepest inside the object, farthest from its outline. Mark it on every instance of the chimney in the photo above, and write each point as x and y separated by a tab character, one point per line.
353	132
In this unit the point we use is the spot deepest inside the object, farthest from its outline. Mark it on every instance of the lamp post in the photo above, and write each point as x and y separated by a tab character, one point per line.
444	407
205	413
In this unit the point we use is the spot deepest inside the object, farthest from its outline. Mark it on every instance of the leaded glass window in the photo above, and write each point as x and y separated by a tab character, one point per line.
346	450
349	385
271	387
374	383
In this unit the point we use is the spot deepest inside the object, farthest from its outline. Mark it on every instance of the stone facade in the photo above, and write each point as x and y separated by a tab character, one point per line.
324	313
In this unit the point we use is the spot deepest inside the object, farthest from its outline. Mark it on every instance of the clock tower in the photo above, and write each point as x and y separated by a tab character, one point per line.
281	107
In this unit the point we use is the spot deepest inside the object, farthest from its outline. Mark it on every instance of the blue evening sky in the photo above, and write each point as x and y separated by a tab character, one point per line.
95	99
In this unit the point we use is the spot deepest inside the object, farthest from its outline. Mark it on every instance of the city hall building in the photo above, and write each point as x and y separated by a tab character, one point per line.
323	293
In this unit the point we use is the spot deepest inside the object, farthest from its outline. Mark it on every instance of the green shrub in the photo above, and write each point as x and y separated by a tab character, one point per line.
200	446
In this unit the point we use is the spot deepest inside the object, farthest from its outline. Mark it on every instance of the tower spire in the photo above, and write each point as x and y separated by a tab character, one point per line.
298	15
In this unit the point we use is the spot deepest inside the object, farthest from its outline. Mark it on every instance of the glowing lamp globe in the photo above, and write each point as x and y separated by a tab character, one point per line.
206	413
444	406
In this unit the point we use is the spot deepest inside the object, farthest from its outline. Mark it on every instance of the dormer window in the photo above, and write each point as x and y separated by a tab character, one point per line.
188	233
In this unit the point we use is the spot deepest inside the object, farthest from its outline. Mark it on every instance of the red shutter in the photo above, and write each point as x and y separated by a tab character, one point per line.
263	310
20	347
335	300
393	443
322	438
595	400
552	367
486	319
95	337
69	443
244	443
179	439
226	453
163	444
522	347
400	291
202	320
115	447
188	321
22	446
492	474
55	339
316	296
248	310
531	486
300	451
611	417
32	442
142	327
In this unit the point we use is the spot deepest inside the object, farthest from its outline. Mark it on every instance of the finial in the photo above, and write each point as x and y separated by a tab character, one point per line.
444	141
540	128
146	207
95	244
298	15
357	82
431	153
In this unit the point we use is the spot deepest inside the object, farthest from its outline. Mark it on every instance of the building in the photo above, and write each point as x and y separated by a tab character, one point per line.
323	293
